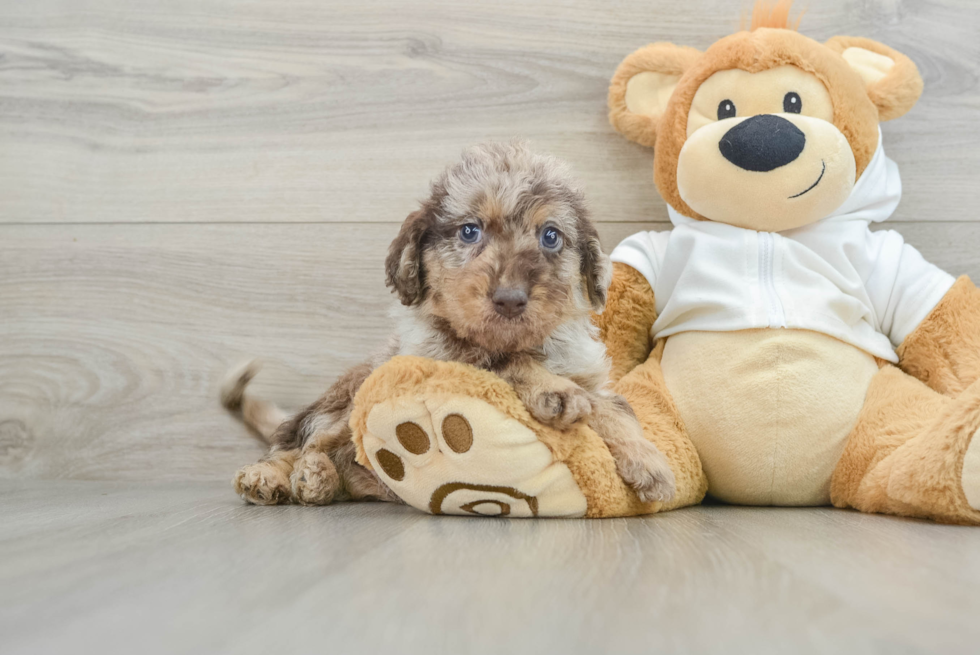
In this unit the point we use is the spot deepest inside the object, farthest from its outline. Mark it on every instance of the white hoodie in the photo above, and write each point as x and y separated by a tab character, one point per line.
835	276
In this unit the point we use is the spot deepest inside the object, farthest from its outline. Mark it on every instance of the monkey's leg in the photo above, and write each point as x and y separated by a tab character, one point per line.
914	452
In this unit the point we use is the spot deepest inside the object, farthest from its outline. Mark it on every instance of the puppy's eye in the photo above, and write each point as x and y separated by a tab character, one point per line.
726	109
792	103
470	233
551	239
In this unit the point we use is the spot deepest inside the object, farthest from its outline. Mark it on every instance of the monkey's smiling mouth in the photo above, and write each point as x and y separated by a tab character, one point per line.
811	187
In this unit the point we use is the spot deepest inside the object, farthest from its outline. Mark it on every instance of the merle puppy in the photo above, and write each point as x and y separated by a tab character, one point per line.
500	268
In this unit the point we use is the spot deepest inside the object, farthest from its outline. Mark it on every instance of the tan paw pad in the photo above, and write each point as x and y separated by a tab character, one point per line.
391	464
458	455
412	437
457	432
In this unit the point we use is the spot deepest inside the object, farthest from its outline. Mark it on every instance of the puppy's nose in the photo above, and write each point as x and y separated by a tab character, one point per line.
509	302
762	143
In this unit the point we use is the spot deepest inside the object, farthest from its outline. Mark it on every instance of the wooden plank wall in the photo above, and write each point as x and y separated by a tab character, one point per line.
188	183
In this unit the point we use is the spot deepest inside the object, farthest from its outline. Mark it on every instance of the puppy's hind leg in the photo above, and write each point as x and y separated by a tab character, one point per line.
359	482
325	471
315	480
312	460
267	481
638	461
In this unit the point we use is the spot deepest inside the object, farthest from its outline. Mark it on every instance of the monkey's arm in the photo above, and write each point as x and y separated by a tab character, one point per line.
624	325
944	349
932	319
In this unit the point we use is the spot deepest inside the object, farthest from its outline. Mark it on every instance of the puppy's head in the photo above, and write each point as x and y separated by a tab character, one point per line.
502	252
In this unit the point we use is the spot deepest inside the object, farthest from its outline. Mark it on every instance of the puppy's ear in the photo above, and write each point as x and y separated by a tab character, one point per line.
892	79
641	88
403	266
596	267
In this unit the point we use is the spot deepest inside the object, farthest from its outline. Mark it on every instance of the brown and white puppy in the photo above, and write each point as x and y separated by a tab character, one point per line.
499	268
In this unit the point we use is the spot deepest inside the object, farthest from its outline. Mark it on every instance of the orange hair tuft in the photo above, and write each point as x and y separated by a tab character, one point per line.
767	14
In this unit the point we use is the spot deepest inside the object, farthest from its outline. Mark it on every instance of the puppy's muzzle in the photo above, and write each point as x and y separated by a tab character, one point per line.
509	302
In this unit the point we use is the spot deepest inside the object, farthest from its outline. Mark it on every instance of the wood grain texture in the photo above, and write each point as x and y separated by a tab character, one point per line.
185	184
109	567
115	338
304	110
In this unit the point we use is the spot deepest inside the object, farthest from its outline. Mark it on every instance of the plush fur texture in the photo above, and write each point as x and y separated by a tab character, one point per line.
898	90
775	15
665	59
905	455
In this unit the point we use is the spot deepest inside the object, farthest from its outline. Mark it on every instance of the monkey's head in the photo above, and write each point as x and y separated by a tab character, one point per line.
767	129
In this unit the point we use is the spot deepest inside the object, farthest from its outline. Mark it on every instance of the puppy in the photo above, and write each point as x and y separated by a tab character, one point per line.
499	268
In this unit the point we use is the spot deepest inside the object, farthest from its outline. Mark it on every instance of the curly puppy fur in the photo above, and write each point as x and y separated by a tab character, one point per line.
499	268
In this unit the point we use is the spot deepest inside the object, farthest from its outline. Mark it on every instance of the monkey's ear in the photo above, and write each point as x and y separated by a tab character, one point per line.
641	88
892	79
596	267
403	266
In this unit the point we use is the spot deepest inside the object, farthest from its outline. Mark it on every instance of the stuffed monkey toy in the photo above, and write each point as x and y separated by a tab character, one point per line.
776	350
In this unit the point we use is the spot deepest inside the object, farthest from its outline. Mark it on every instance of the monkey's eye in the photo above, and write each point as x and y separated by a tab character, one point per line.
792	104
470	233
726	109
551	239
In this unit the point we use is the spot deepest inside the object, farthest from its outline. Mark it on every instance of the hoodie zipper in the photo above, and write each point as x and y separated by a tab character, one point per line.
767	279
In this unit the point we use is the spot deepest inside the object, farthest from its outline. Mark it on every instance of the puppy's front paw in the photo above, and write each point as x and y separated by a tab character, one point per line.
561	408
314	480
262	484
645	469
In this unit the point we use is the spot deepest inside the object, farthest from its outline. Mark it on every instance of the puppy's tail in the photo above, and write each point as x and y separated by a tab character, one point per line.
260	415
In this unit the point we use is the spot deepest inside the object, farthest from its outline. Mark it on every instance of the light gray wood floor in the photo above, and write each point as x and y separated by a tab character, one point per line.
186	184
163	568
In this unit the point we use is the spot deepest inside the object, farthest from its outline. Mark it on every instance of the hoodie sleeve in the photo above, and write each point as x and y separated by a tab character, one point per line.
903	287
643	252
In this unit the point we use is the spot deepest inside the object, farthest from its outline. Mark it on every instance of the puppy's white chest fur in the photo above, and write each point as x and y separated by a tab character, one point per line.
572	350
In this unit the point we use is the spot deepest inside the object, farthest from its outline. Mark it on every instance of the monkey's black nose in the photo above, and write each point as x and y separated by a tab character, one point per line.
762	143
509	302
